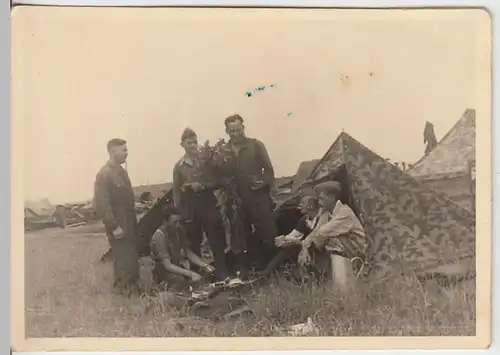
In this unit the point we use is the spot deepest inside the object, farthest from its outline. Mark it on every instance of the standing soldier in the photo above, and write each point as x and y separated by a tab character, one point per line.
115	205
254	175
193	190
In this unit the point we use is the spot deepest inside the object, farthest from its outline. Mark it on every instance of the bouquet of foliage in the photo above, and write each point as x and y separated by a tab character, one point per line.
217	162
217	157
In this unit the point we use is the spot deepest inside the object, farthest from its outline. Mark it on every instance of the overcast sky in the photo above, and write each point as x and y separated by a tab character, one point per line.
89	75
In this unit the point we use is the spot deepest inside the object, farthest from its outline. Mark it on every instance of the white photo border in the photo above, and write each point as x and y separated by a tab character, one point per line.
493	7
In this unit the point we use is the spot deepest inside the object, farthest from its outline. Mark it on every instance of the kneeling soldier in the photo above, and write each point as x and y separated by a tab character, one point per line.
172	254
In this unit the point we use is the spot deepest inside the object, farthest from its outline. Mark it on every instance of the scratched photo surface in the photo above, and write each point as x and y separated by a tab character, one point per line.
249	172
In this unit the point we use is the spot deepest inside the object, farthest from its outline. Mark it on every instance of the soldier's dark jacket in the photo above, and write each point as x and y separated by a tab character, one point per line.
114	199
252	161
188	170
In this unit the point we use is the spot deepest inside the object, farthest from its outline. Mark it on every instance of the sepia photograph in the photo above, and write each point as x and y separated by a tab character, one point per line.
249	176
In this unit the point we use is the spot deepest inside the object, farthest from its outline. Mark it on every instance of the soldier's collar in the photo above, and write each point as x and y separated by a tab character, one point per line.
114	165
186	159
243	140
338	204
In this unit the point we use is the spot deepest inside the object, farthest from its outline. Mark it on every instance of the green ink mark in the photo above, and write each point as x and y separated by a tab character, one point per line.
289	114
258	89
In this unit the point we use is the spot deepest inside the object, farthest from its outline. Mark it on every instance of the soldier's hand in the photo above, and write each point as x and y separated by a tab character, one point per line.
118	233
257	185
196	187
279	241
209	269
195	277
193	186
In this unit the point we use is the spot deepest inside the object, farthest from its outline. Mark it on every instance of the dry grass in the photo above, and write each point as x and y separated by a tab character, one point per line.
68	295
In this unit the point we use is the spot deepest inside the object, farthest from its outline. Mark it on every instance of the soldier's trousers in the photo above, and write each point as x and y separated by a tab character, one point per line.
257	210
125	262
208	219
289	253
173	281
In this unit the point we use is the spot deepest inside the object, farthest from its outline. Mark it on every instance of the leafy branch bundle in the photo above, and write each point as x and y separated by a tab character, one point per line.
216	161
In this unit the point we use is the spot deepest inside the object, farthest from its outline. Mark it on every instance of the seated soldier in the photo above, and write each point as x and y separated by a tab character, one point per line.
292	242
338	231
172	255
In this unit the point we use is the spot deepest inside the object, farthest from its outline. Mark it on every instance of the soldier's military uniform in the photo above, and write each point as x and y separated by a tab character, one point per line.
115	204
200	211
251	163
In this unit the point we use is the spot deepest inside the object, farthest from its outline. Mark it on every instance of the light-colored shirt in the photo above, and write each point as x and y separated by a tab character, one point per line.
341	222
188	170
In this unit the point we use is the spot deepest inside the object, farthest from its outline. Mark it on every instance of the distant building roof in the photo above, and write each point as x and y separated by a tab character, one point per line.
303	173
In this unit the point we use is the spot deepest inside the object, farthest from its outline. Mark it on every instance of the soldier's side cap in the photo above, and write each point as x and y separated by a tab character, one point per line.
188	133
328	187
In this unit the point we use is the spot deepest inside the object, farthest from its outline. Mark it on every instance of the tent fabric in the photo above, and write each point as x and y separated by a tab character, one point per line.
410	227
473	171
453	153
42	207
303	172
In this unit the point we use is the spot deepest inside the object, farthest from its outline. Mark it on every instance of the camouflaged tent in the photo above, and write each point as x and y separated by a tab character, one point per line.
450	166
410	227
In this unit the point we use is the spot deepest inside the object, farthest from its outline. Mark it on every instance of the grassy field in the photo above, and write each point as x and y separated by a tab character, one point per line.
68	295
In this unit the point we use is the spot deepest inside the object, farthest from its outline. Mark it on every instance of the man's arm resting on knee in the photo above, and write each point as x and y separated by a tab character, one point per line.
340	224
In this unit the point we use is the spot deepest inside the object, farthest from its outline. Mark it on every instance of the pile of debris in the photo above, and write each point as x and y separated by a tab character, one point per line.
42	214
39	214
75	214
